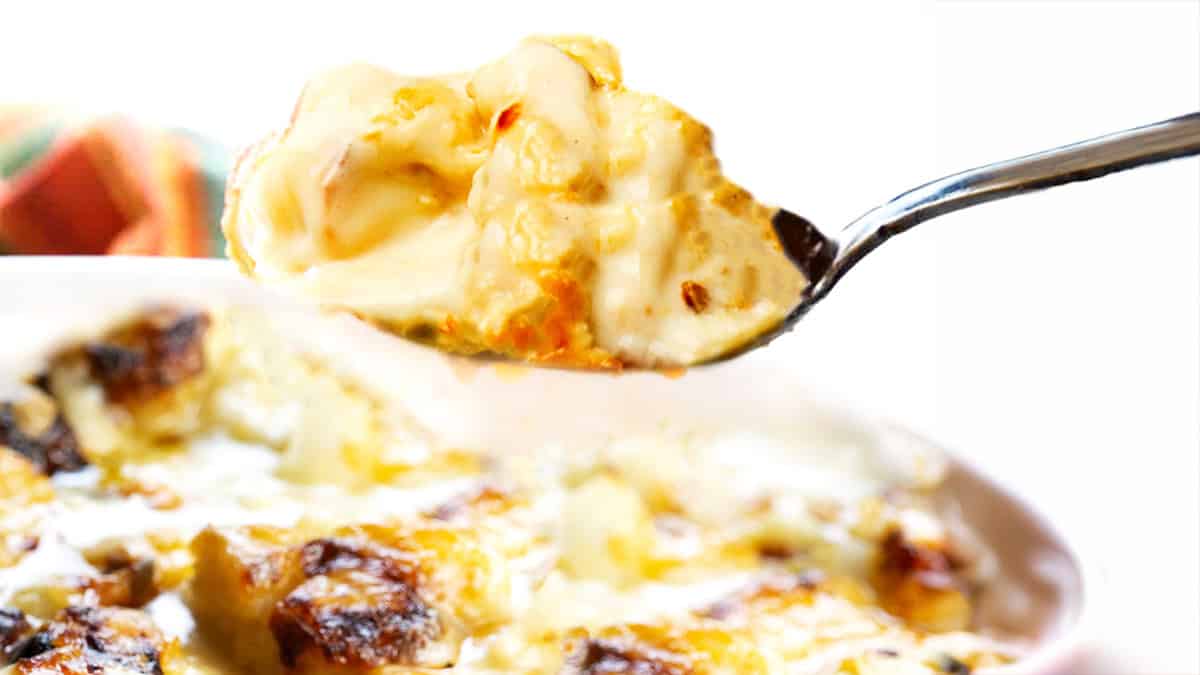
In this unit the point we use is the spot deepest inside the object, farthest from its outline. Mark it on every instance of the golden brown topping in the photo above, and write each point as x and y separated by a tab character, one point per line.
901	557
125	580
367	596
92	641
554	330
240	575
590	656
21	484
156	495
48	443
918	583
256	558
351	618
487	498
695	296
359	607
159	350
777	550
773	589
329	555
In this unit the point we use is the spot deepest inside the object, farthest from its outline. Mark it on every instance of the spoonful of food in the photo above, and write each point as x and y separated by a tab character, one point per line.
537	210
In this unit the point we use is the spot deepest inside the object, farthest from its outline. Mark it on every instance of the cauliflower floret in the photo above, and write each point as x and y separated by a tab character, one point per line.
607	532
535	208
364	596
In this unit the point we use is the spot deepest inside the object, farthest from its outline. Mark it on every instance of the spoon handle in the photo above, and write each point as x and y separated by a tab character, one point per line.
1170	139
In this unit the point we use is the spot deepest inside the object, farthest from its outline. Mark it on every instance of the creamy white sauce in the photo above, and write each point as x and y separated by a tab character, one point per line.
222	482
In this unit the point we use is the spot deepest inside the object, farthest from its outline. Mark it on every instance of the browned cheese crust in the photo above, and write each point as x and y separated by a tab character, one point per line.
160	350
920	584
51	449
593	656
358	606
94	641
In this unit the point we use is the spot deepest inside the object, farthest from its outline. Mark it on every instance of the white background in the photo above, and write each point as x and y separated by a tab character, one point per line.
1053	338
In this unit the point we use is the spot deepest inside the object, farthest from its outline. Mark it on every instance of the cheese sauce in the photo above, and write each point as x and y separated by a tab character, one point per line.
275	517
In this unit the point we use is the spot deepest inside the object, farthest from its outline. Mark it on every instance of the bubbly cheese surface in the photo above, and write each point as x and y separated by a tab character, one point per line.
200	498
534	209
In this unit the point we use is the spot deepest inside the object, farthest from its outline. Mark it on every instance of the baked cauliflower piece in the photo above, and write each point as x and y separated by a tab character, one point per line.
139	386
32	426
534	208
354	599
169	374
86	640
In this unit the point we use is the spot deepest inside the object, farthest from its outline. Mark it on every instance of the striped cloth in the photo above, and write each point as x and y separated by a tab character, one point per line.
80	185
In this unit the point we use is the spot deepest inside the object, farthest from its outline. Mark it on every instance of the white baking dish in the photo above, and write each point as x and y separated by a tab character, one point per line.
1048	593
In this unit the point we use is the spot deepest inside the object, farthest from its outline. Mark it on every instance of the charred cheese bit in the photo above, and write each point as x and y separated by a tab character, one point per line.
34	428
143	360
14	627
535	209
358	607
141	384
96	641
361	597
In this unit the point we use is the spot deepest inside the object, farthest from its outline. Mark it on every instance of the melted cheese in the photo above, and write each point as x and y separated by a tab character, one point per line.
534	208
689	548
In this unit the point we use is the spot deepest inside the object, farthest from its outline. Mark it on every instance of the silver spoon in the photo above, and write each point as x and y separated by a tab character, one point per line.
824	259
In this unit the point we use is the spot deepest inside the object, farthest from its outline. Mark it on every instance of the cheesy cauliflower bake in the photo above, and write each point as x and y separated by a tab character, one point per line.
188	494
535	209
